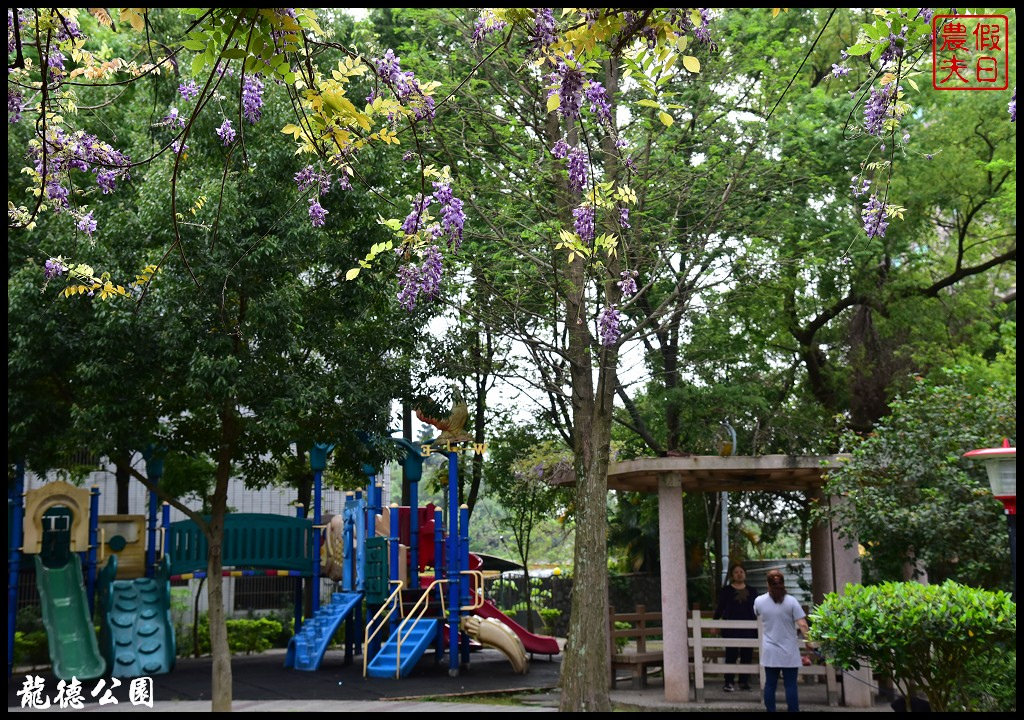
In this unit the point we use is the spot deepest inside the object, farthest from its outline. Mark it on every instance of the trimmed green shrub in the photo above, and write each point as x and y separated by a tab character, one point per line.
244	635
934	641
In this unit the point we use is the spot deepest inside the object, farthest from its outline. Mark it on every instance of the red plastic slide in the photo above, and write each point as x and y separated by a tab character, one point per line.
539	644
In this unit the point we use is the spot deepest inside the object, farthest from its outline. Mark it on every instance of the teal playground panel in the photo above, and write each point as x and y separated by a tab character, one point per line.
250	540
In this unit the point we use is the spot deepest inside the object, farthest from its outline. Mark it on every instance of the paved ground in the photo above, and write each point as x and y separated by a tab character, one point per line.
262	684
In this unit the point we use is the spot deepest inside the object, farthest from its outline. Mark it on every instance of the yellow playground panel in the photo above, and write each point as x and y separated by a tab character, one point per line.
125	537
51	495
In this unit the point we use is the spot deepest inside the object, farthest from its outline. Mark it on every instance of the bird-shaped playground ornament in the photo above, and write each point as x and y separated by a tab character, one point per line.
726	438
453	428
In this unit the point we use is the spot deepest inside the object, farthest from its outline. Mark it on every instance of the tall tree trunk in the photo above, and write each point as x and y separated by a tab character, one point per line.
221	679
586	668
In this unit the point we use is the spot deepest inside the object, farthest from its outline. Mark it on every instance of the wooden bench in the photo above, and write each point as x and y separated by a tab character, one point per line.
707	651
643	626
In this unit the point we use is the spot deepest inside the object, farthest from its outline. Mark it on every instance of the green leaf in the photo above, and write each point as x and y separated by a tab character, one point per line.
233	54
859	49
198	63
193	45
648	103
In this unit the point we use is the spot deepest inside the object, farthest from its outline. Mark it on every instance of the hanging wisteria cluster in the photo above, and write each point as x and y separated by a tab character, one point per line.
420	281
404	85
60	154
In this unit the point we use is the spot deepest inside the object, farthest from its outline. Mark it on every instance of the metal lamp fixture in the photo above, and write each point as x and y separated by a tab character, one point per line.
1001	464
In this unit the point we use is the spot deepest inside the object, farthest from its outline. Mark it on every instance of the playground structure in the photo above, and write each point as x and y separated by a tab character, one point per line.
60	526
378	557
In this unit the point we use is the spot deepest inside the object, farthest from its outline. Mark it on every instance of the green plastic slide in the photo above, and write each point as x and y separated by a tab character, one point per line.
74	650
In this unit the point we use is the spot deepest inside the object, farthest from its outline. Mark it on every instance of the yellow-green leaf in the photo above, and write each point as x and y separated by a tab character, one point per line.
691	63
351	274
666	119
648	103
554	100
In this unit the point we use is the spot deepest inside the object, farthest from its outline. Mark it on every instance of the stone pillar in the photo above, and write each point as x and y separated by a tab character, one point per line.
835	561
673	589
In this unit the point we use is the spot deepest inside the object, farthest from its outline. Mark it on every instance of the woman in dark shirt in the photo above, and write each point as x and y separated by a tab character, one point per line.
736	602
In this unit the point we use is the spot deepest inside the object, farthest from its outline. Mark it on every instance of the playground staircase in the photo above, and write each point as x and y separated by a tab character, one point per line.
306	649
416	636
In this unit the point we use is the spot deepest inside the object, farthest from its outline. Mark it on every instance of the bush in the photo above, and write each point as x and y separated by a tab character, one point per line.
244	635
31	648
251	636
936	641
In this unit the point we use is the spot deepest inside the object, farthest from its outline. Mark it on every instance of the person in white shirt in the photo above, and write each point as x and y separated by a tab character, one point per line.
784	623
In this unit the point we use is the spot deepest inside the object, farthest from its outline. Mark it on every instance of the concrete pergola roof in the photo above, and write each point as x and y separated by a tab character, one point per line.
712	473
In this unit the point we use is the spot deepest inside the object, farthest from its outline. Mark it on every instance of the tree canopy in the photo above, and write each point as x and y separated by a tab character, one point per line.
651	219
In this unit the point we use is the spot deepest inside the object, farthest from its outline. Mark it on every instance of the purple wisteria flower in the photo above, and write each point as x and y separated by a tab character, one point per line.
304	178
55	61
874	218
107	180
560	149
87	224
344	183
308	176
252	99
1013	105
598	99
412	221
57	194
453	219
839	71
430	272
859	186
486	24
926	14
543	28
608	326
15	106
67	29
188	90
628	283
173	118
225	132
703	33
54	267
424	280
583	222
877	108
577	163
404	85
317	213
624	218
895	48
408	155
179	148
11	41
569	78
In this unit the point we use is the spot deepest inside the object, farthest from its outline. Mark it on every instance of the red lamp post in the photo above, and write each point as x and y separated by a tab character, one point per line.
1001	464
